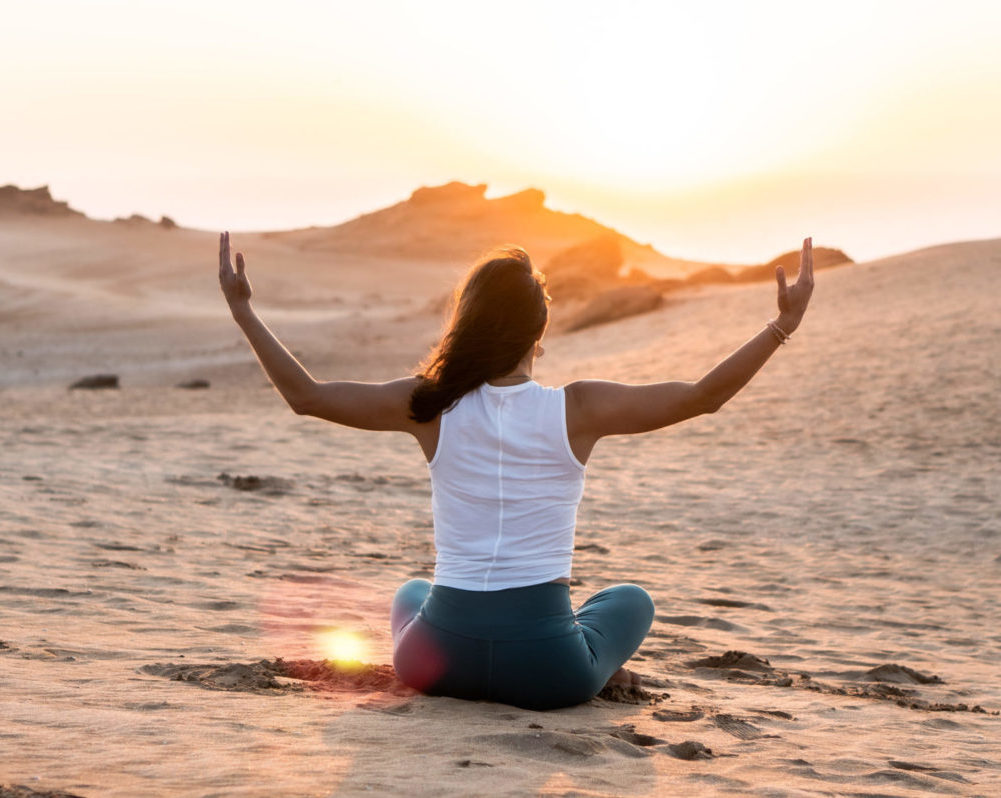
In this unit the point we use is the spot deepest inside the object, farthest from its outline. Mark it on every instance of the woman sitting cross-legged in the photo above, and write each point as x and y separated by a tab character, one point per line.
507	459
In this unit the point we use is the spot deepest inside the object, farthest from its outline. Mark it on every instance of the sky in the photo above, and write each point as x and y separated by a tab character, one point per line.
721	131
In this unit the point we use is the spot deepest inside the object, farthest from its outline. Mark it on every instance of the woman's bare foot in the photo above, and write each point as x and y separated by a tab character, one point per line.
625	678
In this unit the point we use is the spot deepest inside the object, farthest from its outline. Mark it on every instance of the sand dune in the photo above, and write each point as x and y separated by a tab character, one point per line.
823	552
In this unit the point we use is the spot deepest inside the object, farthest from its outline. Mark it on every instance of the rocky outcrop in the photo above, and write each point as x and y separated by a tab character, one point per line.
614	304
449	193
37	201
454	223
590	277
138	220
135	220
584	270
530	200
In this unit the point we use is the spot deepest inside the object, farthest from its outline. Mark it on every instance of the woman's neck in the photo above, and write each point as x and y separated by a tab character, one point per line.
510	379
520	373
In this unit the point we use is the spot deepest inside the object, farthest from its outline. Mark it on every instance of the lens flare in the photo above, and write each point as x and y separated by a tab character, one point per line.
341	646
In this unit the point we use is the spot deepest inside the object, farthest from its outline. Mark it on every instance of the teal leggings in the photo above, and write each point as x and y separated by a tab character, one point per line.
523	646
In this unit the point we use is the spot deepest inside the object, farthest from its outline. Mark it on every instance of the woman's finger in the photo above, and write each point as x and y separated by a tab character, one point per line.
780	275
806	260
240	266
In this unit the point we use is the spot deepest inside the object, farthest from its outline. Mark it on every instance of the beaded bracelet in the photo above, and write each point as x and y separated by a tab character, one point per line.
780	335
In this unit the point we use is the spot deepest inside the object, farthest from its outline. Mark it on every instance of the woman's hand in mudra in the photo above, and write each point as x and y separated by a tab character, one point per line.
794	298
235	285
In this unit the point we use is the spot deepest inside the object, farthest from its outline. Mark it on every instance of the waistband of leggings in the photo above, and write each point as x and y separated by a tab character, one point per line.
518	613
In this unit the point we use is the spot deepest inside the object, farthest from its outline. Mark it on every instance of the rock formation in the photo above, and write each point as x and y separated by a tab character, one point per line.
34	201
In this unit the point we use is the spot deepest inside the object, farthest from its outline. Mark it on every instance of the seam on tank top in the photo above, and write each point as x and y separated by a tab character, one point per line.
500	491
566	434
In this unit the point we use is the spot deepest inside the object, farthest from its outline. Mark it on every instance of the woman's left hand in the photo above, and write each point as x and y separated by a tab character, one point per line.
794	298
235	285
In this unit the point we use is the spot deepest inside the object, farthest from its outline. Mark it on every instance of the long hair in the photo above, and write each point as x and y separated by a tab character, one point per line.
498	311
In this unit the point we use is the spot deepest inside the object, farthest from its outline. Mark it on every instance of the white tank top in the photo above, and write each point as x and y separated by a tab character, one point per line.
505	486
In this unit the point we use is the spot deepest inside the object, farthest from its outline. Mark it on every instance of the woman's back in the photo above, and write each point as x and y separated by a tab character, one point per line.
505	489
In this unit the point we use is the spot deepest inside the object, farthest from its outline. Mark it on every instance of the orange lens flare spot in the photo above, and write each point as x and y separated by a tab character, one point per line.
342	646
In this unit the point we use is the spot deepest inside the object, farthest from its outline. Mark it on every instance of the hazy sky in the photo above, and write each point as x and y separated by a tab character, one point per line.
716	130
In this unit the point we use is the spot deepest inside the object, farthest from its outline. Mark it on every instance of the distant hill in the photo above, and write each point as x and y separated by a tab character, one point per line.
455	223
36	201
417	246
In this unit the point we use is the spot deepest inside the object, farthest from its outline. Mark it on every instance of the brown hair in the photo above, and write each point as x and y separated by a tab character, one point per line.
498	311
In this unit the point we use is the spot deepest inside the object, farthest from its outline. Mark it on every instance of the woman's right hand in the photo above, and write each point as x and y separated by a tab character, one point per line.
794	298
235	285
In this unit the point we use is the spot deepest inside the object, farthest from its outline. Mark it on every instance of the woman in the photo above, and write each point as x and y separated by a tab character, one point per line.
506	458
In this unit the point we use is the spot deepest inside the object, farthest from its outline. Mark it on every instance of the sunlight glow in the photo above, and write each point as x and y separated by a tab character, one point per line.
228	114
342	647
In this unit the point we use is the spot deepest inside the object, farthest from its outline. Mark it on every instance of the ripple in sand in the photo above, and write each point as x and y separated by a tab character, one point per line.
232	628
45	592
20	791
570	747
720	602
689	750
918	780
775	713
755	670
595	547
220	605
116	564
899	674
678	716
702	622
931	771
266	485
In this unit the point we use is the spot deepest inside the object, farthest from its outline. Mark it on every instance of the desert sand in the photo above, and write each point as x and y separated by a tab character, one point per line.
824	553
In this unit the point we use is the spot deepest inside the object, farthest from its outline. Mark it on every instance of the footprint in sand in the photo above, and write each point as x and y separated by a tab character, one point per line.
738	727
628	733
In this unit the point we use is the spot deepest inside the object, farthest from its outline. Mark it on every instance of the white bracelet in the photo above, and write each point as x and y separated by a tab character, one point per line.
780	335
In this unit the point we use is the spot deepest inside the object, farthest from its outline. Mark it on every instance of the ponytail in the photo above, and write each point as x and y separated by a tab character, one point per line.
499	310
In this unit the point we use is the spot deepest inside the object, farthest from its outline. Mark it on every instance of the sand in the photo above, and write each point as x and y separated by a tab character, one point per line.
823	552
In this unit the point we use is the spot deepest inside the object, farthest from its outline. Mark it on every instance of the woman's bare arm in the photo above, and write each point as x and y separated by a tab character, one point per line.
375	406
596	408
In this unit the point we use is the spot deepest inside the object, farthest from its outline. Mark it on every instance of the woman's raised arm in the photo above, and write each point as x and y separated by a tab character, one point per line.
376	406
596	408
